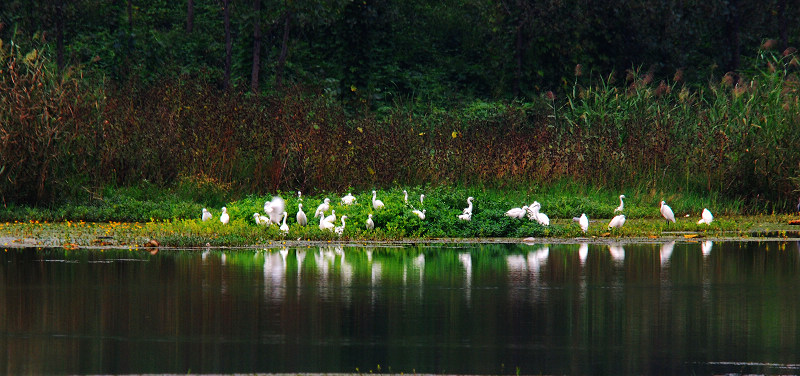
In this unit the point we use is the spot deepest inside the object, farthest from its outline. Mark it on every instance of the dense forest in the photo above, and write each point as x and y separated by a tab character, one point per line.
257	96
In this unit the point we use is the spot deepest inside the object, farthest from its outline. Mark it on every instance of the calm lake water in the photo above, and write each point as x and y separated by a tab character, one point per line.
685	308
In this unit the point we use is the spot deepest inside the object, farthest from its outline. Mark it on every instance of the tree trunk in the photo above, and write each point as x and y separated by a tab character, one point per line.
227	14
60	34
190	16
256	46
287	16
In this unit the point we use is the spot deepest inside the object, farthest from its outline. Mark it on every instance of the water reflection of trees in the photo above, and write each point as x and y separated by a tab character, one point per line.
587	307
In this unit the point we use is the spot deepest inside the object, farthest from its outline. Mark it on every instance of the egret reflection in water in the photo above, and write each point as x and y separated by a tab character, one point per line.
617	252
706	247
666	252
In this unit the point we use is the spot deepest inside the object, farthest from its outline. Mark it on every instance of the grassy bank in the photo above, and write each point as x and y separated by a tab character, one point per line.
132	216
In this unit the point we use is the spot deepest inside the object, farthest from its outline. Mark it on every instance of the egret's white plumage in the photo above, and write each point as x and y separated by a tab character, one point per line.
323	207
301	215
621	204
370	223
224	217
284	227
421	198
466	216
260	219
206	215
666	212
331	218
340	229
420	214
299	196
617	222
706	217
468	209
533	211
584	222
405	196
349	199
376	204
517	212
275	209
324	225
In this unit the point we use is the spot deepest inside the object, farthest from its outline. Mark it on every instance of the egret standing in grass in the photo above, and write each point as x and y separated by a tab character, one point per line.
370	223
706	217
349	199
323	207
331	218
584	222
517	212
405	197
301	215
376	204
468	209
324	225
284	226
275	209
421	198
206	215
224	217
420	214
617	222
542	218
260	220
666	212
340	229
621	204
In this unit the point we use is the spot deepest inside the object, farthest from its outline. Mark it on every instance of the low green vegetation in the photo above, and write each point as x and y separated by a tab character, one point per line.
133	216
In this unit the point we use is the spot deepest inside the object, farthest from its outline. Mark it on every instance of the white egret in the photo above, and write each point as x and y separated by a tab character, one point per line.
422	197
260	220
323	225
301	215
370	223
284	227
621	204
617	222
517	212
340	229
224	217
706	217
584	222
531	214
420	214
275	209
666	212
466	216
331	218
323	207
542	218
299	196
206	215
376	204
349	199
468	209
405	196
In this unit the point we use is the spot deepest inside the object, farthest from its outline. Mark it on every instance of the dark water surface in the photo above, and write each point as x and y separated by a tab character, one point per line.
685	308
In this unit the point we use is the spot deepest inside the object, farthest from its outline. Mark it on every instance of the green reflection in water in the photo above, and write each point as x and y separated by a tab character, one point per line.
568	308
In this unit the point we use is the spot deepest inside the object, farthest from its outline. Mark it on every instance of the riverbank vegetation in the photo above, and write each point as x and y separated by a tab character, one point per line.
119	136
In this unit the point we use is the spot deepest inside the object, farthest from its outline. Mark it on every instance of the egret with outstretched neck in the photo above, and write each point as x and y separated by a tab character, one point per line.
370	224
284	227
621	204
